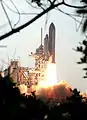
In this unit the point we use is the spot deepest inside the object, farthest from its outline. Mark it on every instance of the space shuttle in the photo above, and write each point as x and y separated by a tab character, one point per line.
49	43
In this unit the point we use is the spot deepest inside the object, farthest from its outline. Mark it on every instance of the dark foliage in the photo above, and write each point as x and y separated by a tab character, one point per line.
14	105
83	49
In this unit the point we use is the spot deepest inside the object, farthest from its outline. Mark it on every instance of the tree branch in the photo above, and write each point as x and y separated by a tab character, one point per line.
29	22
21	13
72	6
17	11
50	1
6	15
38	16
70	15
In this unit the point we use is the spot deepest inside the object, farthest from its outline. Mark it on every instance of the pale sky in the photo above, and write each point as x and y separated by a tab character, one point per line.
28	40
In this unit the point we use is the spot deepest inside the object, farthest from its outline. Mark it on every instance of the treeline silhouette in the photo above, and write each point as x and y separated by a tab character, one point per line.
14	105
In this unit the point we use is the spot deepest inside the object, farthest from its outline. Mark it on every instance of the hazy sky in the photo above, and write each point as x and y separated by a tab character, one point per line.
28	40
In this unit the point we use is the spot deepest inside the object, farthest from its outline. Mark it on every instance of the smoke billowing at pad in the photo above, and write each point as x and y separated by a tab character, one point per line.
59	91
50	87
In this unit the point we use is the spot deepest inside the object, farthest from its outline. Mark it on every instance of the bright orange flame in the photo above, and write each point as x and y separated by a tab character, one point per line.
50	87
50	78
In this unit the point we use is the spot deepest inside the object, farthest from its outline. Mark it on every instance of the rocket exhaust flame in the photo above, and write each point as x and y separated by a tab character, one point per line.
50	87
50	76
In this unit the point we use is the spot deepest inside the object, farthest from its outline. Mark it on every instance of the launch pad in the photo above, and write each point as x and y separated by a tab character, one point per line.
43	54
